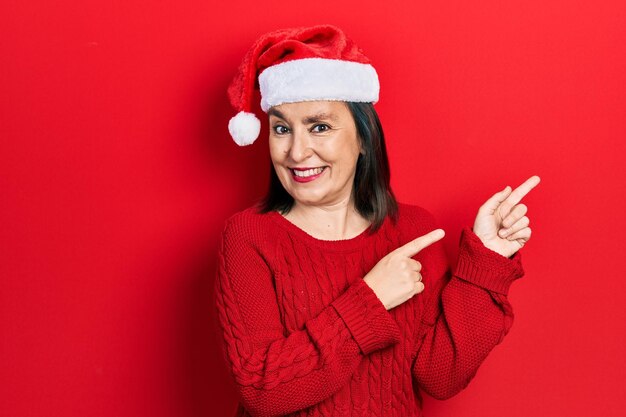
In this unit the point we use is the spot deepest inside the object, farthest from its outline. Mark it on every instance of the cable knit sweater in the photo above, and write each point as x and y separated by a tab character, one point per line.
304	335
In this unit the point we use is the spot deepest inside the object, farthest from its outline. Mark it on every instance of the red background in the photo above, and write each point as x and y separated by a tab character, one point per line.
117	173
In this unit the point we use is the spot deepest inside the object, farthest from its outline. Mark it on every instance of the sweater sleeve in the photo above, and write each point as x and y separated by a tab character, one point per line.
466	313
277	372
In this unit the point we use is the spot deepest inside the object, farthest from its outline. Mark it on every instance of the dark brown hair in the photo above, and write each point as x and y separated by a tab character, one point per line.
371	190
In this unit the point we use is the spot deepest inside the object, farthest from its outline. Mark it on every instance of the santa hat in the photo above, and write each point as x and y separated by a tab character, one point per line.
298	64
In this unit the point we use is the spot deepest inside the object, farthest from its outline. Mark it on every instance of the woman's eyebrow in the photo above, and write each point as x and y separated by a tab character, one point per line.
307	120
318	117
274	112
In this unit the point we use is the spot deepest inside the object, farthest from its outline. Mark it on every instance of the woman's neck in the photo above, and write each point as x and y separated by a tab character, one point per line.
334	222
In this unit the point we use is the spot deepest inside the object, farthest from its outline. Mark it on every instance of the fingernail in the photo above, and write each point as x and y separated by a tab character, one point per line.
503	232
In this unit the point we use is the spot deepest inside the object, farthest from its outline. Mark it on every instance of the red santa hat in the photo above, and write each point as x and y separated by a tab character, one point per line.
298	64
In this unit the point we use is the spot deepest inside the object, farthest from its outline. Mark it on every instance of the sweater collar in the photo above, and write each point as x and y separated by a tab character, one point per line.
355	242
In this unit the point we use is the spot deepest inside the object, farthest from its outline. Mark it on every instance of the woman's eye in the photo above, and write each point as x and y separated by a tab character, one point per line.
280	129
323	127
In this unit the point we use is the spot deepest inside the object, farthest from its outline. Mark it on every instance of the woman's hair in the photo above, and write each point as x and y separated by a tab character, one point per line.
371	190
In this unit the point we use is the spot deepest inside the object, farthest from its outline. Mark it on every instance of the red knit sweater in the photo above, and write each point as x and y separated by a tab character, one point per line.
304	335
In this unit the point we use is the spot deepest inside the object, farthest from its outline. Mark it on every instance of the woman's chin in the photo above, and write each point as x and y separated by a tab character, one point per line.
307	199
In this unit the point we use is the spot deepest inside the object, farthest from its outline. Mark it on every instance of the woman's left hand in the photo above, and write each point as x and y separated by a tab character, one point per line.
501	223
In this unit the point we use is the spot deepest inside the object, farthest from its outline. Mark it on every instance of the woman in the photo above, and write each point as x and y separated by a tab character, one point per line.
334	299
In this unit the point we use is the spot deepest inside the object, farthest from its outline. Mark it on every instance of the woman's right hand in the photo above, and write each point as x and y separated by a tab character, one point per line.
396	277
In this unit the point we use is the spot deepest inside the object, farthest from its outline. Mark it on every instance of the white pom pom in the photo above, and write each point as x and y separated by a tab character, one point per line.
244	128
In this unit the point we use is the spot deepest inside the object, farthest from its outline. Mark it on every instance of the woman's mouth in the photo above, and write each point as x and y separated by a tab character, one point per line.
306	174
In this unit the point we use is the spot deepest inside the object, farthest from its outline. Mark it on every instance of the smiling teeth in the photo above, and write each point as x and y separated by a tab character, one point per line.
308	172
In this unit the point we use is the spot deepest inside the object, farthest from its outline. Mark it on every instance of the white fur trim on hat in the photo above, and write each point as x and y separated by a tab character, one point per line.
244	128
311	79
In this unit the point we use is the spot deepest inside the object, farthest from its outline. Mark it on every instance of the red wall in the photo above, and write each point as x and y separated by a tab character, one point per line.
117	173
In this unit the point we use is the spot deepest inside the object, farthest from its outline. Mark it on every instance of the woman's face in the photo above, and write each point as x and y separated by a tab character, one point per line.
314	149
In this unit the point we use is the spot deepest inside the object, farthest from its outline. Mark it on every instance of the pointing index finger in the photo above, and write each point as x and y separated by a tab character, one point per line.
518	193
416	245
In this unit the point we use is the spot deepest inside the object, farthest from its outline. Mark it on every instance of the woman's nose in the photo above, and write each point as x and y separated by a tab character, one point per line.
300	146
